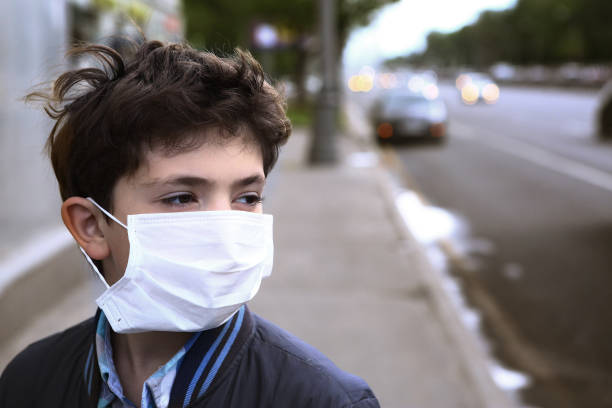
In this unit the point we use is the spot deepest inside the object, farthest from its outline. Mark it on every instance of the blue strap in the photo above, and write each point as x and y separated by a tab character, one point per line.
223	354
203	365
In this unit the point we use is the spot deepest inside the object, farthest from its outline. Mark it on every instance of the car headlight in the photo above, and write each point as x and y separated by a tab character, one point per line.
431	92
490	93
469	94
461	81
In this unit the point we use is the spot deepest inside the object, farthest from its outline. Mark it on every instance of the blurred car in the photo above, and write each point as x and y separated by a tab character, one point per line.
409	115
475	87
604	113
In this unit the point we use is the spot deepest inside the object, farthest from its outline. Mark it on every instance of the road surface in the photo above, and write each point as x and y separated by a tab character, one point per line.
535	188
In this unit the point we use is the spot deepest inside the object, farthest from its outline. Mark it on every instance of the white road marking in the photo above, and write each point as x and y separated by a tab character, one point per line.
541	157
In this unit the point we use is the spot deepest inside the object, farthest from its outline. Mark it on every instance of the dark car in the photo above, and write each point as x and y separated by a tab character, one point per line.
409	115
604	113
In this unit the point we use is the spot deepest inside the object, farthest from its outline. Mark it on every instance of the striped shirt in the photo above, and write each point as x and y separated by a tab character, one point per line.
201	357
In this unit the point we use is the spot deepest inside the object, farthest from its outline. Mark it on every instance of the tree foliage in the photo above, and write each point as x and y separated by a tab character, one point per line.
219	23
223	25
533	31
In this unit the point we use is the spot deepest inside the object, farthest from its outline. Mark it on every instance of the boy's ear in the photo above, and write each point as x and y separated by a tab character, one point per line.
83	219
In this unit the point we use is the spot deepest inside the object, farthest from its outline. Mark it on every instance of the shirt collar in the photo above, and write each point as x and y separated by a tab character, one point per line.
186	376
156	390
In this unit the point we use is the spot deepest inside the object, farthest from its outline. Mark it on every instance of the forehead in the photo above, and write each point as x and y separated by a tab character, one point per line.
206	153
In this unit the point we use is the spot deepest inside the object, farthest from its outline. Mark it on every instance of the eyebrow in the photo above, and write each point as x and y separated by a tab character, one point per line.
193	181
247	181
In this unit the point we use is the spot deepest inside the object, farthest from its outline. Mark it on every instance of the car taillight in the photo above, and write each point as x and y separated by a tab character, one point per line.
437	130
384	130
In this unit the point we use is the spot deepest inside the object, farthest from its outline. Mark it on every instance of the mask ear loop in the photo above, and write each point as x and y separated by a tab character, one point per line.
94	267
89	260
111	216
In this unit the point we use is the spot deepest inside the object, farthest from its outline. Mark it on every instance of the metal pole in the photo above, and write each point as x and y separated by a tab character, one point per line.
323	149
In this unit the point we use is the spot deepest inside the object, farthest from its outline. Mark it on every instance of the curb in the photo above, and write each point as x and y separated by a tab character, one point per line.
51	276
474	358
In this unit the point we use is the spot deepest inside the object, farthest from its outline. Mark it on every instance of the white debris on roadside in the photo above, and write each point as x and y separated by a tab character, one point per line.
362	159
428	224
513	271
508	380
434	228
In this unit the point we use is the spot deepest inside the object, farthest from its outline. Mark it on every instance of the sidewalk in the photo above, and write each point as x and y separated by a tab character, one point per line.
350	280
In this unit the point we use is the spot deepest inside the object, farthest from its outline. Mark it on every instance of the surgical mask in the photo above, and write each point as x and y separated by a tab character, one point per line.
187	271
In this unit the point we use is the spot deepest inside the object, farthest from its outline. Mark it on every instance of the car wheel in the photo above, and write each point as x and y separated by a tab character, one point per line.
380	141
439	140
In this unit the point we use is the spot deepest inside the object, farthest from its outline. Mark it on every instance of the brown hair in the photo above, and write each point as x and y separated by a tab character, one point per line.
106	116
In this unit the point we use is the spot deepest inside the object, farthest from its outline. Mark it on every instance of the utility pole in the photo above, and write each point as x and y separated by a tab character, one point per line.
323	148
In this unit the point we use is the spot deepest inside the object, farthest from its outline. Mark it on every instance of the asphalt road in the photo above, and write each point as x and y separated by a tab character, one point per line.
535	188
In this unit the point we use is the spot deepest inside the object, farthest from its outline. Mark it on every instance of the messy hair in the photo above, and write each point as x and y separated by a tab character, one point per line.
160	96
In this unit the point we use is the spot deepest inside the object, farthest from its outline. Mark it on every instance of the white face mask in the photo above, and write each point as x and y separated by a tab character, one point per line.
187	271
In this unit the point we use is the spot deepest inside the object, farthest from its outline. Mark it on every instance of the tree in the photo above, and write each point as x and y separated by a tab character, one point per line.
223	25
532	32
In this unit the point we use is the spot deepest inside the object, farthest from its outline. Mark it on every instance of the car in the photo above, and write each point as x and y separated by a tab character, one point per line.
474	87
604	113
406	115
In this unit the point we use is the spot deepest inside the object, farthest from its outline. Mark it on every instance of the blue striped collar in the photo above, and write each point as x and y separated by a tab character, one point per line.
183	379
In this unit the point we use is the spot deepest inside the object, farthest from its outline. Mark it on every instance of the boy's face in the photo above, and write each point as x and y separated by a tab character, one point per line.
216	176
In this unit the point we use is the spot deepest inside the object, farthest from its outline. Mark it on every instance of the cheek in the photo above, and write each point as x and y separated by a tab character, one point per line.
120	250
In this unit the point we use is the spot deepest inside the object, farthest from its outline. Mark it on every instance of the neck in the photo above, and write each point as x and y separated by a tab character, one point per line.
138	355
146	351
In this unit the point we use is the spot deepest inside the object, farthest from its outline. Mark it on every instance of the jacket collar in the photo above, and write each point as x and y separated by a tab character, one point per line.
205	365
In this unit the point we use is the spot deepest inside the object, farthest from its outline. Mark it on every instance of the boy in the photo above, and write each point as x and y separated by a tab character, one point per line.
161	161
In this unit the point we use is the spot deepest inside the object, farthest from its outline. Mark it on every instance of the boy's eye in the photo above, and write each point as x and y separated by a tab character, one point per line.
179	199
250	199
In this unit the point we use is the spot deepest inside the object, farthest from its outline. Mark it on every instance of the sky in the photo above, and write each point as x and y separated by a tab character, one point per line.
401	28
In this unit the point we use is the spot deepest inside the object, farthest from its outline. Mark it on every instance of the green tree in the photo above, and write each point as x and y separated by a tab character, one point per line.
532	32
223	25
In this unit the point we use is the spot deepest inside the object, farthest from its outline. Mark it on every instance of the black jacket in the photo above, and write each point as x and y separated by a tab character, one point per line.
266	367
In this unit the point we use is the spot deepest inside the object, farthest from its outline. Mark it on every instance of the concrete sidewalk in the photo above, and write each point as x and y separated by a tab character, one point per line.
348	279
352	281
